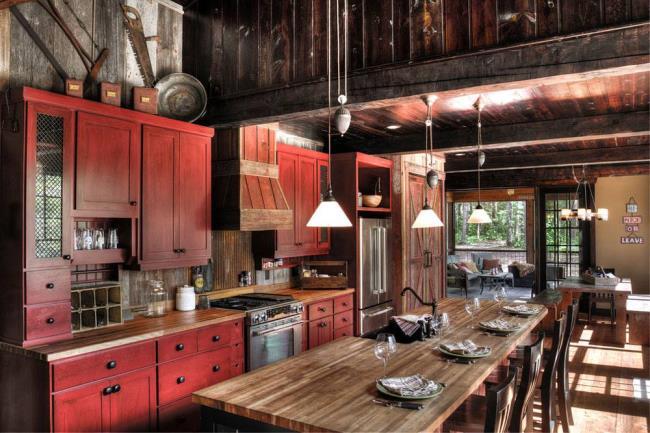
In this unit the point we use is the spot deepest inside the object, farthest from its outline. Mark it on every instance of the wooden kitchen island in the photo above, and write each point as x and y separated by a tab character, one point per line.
331	388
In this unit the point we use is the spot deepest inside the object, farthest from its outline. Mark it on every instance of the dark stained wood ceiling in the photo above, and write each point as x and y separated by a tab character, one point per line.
596	96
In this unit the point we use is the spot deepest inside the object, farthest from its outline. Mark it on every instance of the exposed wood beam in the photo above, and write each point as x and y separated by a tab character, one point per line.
5	4
540	176
619	125
539	159
585	55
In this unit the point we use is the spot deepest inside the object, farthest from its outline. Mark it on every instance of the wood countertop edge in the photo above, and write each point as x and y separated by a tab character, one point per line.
42	353
309	296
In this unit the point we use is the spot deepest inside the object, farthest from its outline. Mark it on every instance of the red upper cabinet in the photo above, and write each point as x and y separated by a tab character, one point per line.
48	186
175	224
287	240
107	181
307	203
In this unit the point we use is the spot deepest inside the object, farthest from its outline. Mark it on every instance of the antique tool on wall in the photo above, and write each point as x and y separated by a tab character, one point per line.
92	66
135	33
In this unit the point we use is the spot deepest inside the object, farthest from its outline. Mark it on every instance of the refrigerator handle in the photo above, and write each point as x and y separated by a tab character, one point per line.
374	260
384	265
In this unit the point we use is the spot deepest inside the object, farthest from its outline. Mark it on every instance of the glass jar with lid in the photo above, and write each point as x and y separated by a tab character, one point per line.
156	299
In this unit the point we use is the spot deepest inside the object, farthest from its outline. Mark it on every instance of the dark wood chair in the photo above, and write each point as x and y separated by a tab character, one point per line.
566	414
491	413
532	366
548	385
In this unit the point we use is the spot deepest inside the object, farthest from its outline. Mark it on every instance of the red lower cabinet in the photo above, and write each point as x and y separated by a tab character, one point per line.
180	416
125	403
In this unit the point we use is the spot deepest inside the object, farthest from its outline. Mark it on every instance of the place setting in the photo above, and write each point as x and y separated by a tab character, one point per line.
524	310
463	352
407	389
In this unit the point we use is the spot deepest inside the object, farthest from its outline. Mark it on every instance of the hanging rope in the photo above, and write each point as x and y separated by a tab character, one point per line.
329	93
478	154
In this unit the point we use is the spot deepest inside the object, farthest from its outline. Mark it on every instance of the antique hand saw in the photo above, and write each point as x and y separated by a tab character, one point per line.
138	42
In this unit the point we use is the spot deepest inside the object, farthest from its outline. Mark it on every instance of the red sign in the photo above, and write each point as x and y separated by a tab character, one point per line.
632	220
627	240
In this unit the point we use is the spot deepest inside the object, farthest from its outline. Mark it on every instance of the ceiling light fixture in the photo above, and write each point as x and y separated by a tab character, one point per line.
479	216
583	213
427	217
329	213
342	116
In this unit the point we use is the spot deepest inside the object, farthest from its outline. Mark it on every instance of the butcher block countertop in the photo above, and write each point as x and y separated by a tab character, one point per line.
138	329
331	387
310	296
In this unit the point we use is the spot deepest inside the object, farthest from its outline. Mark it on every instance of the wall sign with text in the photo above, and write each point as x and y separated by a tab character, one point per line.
631	223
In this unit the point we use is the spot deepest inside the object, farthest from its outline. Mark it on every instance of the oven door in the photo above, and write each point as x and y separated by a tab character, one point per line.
274	341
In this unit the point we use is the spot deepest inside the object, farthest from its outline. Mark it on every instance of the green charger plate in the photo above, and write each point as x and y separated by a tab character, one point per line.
387	392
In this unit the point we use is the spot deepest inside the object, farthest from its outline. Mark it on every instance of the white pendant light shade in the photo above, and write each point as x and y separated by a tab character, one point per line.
342	119
427	218
603	214
479	216
329	214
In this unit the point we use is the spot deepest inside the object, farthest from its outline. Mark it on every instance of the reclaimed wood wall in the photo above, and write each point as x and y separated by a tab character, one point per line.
22	63
237	46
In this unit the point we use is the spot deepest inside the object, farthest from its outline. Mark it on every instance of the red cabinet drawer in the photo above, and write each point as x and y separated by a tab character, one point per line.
179	379
47	286
176	346
182	415
341	320
343	303
213	337
47	321
321	309
348	331
214	366
99	365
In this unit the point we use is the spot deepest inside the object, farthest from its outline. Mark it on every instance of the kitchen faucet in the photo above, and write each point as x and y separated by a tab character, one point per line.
433	304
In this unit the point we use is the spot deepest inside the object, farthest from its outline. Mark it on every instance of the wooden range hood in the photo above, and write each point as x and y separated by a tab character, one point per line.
247	193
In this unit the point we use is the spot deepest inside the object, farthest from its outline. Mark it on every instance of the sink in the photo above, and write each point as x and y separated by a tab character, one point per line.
391	328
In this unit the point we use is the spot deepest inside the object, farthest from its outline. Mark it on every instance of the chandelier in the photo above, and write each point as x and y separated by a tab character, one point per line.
583	213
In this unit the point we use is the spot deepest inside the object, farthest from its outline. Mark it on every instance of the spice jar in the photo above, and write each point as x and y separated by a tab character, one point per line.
157	299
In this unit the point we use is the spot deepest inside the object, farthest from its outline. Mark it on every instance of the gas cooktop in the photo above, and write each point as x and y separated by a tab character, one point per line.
251	302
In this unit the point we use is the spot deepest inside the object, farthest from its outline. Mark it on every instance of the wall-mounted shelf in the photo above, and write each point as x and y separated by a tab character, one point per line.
373	209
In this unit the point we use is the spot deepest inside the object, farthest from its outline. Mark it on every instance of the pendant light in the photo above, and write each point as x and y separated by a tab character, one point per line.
427	218
583	213
329	213
479	216
342	116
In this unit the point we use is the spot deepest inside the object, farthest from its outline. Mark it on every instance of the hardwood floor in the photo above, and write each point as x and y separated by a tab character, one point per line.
610	384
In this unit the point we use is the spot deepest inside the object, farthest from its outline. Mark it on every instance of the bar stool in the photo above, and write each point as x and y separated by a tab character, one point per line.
491	413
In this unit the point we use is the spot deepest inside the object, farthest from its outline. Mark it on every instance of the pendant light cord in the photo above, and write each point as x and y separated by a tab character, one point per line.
478	154
338	51
329	94
345	48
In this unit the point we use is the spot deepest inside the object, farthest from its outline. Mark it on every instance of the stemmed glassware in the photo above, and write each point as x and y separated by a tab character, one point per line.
500	294
443	322
472	306
385	346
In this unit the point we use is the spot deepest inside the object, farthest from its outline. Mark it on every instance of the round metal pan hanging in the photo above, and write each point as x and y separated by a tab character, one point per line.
181	97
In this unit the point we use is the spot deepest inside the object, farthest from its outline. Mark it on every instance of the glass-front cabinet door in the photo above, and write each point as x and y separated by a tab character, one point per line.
49	150
323	242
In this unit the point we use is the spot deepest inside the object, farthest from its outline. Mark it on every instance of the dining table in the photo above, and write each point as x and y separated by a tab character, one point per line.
573	287
332	387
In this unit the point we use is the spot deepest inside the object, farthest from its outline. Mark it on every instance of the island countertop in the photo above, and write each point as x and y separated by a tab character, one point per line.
331	387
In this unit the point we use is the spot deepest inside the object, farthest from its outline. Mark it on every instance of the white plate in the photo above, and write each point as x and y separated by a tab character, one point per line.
383	390
467	355
499	330
532	312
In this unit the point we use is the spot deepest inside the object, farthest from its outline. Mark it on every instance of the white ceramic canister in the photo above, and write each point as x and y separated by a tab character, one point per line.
185	298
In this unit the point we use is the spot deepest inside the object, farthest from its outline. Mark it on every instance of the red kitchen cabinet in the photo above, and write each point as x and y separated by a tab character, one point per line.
125	403
308	201
321	331
107	177
286	240
182	415
175	224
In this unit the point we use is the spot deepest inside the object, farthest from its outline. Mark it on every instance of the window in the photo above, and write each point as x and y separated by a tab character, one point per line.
505	236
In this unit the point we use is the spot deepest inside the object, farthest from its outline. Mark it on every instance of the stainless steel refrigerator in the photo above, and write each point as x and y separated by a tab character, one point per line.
375	297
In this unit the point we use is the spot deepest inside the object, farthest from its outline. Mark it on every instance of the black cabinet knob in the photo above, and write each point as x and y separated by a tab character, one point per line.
216	338
50	320
49	286
180	380
111	364
216	368
180	346
182	250
67	257
116	388
133	203
108	390
322	309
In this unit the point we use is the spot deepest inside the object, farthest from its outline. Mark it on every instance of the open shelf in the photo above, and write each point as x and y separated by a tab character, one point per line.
373	209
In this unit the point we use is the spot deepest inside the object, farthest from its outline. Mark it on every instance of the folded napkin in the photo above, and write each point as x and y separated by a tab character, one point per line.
521	309
408	323
466	347
500	324
409	386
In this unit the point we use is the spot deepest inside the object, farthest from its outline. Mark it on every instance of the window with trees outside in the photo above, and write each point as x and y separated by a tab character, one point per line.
505	236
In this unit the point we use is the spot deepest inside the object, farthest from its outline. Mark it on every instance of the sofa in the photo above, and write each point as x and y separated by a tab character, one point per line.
527	280
461	278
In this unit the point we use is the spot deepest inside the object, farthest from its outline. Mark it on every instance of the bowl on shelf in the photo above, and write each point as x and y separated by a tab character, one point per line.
371	200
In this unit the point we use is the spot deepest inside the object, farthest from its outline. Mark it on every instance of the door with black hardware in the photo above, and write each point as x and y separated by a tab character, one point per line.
133	401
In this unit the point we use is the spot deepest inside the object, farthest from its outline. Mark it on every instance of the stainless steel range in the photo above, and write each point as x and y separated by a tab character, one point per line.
273	326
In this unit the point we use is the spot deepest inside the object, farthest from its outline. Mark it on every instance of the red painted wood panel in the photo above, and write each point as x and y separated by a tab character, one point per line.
288	167
249	145
347	331
107	165
47	320
178	379
47	286
321	309
308	201
193	189
84	409
341	320
177	346
214	337
133	406
343	303
321	331
157	225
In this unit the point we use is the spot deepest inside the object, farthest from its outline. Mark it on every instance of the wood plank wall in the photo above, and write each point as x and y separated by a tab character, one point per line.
23	63
239	46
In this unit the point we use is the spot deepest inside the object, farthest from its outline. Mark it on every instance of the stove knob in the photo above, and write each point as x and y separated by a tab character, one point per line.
262	317
255	318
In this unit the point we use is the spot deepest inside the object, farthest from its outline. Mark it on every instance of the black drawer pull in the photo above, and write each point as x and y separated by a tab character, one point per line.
180	380
216	368
323	324
177	250
344	319
116	388
182	250
107	390
67	257
216	338
322	309
179	347
111	365
49	286
50	320
133	203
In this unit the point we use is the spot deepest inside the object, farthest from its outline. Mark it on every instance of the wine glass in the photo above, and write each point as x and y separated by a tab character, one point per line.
500	294
385	346
472	306
444	323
